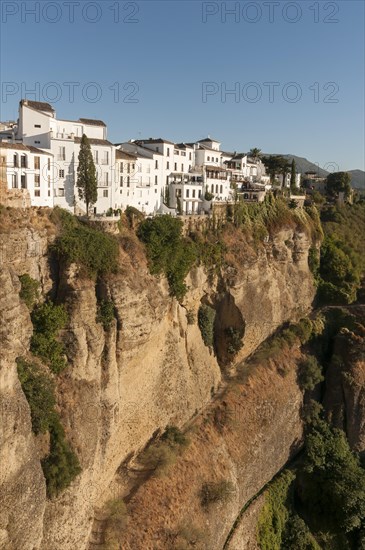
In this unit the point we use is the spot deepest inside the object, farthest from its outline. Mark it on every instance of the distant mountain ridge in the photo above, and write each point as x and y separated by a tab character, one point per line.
358	179
304	165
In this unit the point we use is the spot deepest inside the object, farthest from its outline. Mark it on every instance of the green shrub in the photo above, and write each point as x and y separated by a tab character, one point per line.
303	330
29	290
61	466
340	271
134	216
234	336
161	454
297	535
219	491
168	252
157	458
116	521
39	391
105	313
274	514
332	480
310	373
206	318
174	437
313	261
96	252
48	319
190	317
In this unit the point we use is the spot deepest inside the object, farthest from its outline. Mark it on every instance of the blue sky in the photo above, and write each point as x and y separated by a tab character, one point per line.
163	69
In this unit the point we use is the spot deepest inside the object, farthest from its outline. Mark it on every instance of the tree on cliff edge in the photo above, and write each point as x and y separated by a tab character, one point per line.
86	175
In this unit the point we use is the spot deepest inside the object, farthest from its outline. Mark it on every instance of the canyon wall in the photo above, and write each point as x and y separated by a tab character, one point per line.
149	370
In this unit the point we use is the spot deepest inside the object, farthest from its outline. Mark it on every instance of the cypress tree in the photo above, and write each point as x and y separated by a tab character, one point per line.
293	176
86	175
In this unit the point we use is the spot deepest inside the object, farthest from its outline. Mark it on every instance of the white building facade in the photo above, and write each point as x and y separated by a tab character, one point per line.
148	174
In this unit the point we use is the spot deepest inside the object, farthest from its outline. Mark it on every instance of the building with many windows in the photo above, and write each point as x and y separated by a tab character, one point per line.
40	154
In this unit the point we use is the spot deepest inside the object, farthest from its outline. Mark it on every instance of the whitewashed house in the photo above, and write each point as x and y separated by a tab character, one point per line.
144	188
38	127
29	169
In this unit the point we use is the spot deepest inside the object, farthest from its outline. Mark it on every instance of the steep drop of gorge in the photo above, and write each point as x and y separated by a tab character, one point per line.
148	369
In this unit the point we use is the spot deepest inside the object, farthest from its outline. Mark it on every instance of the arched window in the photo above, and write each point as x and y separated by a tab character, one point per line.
221	189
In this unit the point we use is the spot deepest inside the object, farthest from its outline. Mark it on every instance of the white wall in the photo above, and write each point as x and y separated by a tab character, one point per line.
38	181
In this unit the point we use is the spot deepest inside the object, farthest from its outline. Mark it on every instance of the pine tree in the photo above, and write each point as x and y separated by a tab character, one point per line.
86	175
293	176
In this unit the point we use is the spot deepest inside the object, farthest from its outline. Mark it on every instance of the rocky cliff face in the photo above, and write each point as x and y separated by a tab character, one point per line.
149	370
345	385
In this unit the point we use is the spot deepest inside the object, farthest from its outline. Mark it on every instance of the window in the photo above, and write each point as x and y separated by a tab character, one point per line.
182	167
128	181
156	164
37	181
49	181
156	180
216	160
61	153
216	188
15	160
49	192
106	178
49	164
37	192
105	193
23	182
168	151
187	193
193	193
167	165
175	166
37	126
37	142
14	181
221	189
208	158
200	194
61	192
37	163
121	181
61	173
189	156
23	161
183	153
106	157
121	166
96	157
